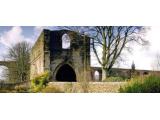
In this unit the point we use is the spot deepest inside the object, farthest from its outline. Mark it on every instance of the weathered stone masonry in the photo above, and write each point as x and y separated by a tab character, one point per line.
68	64
11	65
72	64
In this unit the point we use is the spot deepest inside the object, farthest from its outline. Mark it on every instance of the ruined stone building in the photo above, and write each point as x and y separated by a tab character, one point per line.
122	72
11	70
64	53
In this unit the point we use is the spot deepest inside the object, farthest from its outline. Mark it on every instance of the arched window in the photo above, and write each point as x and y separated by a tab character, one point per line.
96	75
66	41
4	73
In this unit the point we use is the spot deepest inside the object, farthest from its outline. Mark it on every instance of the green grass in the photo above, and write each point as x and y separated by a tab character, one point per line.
149	84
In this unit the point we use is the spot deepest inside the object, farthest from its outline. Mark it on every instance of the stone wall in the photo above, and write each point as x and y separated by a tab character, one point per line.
37	57
124	73
48	54
93	87
76	56
12	72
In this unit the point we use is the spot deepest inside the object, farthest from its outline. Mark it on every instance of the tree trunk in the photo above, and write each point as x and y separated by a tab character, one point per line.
104	74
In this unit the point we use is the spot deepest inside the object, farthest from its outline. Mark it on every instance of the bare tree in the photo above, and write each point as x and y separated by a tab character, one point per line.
113	40
20	53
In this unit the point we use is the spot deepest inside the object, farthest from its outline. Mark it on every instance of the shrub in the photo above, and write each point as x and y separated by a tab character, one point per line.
40	82
114	79
150	84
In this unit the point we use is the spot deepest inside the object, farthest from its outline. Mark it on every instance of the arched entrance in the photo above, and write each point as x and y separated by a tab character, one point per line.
66	74
4	73
9	70
96	75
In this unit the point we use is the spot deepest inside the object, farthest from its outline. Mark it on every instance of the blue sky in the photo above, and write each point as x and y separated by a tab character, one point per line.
27	30
142	56
11	35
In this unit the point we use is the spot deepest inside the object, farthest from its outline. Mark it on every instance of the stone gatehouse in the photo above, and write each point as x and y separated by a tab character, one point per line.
66	54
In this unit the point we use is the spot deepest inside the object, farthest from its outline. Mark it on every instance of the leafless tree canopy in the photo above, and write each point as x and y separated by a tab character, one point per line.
113	40
21	54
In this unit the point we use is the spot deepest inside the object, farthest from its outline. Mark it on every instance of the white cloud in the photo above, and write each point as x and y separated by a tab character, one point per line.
143	57
13	36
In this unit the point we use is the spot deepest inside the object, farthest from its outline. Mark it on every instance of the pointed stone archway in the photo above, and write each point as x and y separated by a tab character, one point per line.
66	74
